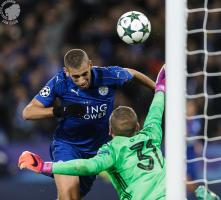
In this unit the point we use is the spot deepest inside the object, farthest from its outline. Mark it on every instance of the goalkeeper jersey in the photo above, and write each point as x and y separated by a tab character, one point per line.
135	165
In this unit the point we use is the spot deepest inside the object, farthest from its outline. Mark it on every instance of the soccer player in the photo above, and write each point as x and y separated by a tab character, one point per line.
86	95
132	159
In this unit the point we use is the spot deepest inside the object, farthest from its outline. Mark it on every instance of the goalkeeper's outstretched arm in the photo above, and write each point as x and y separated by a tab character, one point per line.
154	116
155	113
79	167
157	106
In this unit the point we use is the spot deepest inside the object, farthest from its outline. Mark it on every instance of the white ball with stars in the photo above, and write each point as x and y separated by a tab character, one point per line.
133	27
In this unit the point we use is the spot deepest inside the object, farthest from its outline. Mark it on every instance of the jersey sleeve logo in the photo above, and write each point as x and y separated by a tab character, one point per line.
103	90
103	152
45	91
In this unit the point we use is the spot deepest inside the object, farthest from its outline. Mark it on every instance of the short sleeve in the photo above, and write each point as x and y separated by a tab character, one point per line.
113	75
120	74
47	94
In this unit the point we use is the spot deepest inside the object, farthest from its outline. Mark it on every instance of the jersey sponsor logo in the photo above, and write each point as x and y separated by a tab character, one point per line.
96	112
45	91
75	91
103	90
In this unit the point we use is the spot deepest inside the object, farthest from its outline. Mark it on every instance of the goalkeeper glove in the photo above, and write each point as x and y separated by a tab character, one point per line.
33	162
72	110
160	82
202	193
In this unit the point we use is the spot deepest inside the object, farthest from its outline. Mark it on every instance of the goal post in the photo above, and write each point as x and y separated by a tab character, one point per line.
175	141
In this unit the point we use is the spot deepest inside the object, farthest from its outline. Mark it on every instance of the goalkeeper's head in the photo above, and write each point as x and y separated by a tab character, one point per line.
123	122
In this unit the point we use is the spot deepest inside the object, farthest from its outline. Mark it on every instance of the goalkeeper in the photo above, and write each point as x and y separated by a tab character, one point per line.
133	160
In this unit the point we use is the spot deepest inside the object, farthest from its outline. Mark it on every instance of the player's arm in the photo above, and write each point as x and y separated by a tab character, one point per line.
155	114
141	78
42	106
119	76
83	167
79	167
104	159
36	110
156	109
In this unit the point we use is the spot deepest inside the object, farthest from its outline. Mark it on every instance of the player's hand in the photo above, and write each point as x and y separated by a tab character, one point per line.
72	110
33	162
161	78
30	161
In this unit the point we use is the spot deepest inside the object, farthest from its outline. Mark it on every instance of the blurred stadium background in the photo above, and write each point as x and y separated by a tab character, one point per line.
32	50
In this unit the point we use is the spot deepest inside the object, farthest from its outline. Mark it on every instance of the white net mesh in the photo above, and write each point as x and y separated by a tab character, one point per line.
203	94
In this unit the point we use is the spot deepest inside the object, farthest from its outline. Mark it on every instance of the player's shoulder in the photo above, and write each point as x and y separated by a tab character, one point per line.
106	148
59	77
108	73
106	69
119	141
140	136
150	132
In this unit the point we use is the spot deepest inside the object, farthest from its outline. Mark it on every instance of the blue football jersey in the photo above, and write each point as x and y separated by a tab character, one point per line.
89	131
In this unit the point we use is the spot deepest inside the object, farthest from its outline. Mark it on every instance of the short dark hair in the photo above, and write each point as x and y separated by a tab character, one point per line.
74	58
123	121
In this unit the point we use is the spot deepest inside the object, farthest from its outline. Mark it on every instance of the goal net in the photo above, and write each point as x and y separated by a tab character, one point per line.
203	94
193	61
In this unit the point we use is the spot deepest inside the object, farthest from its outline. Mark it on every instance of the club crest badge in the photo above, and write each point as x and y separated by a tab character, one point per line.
103	90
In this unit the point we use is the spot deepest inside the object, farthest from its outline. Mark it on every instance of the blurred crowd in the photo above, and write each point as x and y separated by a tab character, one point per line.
32	51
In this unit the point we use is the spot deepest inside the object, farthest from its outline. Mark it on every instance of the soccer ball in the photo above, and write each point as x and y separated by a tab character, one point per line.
133	27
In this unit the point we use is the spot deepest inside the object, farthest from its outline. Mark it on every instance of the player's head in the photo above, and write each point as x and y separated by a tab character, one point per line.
123	122
78	67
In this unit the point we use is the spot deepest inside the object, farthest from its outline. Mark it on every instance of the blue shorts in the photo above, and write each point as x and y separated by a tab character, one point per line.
61	151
